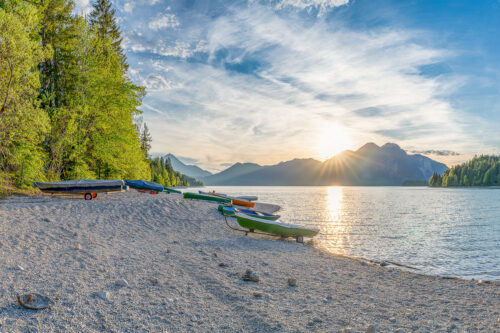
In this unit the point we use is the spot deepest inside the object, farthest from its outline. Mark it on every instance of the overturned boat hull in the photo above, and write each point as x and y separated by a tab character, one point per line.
80	186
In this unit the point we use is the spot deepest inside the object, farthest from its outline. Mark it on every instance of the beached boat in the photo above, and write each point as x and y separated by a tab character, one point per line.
88	187
261	207
240	197
276	228
144	185
171	190
190	195
231	211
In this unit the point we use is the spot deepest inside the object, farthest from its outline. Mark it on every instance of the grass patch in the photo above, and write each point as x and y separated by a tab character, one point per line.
7	189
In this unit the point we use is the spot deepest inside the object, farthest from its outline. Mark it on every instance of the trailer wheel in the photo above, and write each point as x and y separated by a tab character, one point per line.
88	196
300	239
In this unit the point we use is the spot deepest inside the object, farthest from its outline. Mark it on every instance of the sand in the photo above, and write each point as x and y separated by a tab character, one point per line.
132	262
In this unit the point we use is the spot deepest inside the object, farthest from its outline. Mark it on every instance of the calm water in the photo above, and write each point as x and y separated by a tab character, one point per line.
452	232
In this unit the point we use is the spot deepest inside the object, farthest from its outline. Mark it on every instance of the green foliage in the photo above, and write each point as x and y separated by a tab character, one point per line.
480	171
163	173
66	104
102	18
23	124
146	139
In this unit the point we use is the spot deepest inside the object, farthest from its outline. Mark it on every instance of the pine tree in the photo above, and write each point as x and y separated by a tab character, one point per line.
103	19
146	140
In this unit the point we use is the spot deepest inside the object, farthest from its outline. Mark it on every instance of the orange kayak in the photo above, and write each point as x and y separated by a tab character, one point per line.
243	203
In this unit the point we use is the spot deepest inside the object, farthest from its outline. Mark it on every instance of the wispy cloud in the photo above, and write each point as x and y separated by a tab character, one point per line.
436	152
165	20
254	79
322	6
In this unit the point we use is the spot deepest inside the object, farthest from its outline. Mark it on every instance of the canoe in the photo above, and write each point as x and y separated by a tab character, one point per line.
261	207
170	190
230	211
141	184
240	197
80	186
190	195
273	227
243	203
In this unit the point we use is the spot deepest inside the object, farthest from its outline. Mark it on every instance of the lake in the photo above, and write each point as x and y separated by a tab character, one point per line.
438	231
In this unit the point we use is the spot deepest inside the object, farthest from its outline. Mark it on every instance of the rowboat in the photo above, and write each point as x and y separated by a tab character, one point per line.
144	185
171	190
88	187
276	228
190	195
231	211
240	197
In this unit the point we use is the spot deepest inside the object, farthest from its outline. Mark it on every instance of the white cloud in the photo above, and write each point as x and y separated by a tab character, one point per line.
128	7
83	7
308	77
166	20
321	5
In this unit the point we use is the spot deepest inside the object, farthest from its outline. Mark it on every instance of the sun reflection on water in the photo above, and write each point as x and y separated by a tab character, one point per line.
334	232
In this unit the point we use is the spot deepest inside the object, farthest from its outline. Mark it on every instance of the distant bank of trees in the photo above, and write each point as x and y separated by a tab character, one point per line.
67	106
480	171
163	173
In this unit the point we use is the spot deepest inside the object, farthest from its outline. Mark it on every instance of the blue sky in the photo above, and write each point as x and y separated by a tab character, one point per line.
268	81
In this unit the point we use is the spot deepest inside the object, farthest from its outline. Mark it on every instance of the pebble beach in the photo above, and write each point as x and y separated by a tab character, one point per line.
135	262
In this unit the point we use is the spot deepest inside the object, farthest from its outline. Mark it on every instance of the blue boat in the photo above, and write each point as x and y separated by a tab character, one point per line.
144	185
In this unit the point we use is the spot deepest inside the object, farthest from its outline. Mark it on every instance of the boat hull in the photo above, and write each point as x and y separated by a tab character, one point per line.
231	211
190	195
241	197
144	185
243	203
80	186
171	190
272	227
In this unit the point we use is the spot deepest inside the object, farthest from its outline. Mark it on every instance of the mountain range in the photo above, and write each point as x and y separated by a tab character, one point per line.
188	170
370	165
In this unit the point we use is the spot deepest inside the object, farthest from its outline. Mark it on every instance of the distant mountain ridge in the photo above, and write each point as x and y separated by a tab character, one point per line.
188	170
369	165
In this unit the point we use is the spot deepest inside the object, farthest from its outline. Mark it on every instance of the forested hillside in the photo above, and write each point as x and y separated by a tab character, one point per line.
480	171
67	107
163	173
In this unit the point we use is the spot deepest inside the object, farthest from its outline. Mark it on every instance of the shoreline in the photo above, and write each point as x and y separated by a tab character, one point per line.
185	276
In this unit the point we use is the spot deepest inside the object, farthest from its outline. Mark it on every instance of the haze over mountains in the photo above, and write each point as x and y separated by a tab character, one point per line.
369	165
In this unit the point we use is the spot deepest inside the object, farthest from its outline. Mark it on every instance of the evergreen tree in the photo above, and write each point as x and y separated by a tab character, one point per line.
103	19
480	171
146	140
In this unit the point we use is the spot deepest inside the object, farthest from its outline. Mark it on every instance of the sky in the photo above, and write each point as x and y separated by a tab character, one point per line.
266	81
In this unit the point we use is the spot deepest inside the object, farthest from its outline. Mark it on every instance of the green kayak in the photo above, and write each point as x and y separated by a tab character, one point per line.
170	190
231	211
190	195
277	228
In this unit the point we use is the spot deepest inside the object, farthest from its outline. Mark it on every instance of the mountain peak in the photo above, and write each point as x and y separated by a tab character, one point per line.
391	146
368	147
188	170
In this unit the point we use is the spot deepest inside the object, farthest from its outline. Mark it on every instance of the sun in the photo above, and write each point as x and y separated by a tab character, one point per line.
331	140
